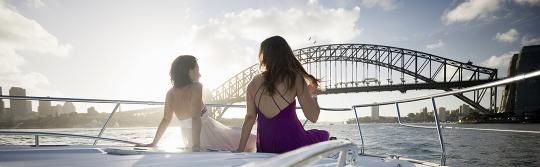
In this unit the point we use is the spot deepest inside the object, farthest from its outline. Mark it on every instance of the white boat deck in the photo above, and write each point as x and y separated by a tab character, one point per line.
82	156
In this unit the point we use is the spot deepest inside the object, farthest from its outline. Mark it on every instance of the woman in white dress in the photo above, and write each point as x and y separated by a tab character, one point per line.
184	100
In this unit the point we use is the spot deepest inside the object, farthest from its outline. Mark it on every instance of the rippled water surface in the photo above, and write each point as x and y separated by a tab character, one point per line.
464	147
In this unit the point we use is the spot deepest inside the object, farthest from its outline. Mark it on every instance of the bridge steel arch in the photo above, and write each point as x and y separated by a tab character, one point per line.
428	71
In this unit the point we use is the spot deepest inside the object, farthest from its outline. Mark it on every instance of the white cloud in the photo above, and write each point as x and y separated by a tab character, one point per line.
525	41
35	3
19	33
384	4
230	43
432	46
509	36
472	9
528	2
499	62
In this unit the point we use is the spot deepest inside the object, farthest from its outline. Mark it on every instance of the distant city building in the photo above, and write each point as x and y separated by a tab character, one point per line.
424	110
20	109
522	97
454	112
442	114
374	112
509	92
45	109
58	109
69	108
2	106
465	109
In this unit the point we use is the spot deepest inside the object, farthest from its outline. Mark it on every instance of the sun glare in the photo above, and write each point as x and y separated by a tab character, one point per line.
172	139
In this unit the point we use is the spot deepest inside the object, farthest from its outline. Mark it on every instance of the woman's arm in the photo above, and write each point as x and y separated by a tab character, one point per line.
167	116
197	105
249	120
307	99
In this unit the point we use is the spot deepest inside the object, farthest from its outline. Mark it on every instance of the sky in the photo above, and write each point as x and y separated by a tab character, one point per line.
123	49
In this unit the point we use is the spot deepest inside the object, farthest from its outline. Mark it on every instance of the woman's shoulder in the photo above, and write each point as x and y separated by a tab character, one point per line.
256	80
195	88
187	88
257	77
196	85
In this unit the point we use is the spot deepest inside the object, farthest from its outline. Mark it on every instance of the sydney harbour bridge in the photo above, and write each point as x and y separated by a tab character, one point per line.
353	68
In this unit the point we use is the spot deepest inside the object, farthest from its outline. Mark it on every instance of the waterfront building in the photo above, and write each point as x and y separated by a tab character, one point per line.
442	114
424	110
375	113
2	106
522	98
45	109
465	110
527	93
509	92
58	109
20	109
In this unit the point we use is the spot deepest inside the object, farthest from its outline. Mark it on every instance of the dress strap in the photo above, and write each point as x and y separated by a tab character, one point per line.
259	96
275	103
282	96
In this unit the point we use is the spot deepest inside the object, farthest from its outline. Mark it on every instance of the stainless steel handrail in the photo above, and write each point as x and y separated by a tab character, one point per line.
354	107
307	154
464	90
79	100
107	122
118	103
432	97
37	134
132	102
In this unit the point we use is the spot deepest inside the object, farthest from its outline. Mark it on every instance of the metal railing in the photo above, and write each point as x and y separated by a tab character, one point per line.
37	135
83	100
104	127
326	148
435	112
307	154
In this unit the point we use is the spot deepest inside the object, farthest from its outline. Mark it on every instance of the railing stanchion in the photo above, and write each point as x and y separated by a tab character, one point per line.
354	156
305	122
36	140
222	113
398	113
342	158
359	131
443	149
106	123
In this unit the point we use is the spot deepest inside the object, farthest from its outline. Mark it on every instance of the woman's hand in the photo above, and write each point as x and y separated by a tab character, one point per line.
312	89
145	145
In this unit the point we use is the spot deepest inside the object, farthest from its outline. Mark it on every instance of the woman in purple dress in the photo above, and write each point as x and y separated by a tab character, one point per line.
270	99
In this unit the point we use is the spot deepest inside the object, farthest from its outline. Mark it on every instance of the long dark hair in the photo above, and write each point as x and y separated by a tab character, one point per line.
180	70
278	63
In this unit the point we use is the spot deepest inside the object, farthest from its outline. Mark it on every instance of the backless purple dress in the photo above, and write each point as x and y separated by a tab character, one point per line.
284	132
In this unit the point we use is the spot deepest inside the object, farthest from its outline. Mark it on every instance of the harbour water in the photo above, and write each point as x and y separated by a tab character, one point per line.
464	147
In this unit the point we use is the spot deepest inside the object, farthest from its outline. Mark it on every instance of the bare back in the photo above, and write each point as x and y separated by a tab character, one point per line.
270	106
186	102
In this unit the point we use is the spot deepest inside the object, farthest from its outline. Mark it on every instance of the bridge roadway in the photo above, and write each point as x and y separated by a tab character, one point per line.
405	87
381	88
